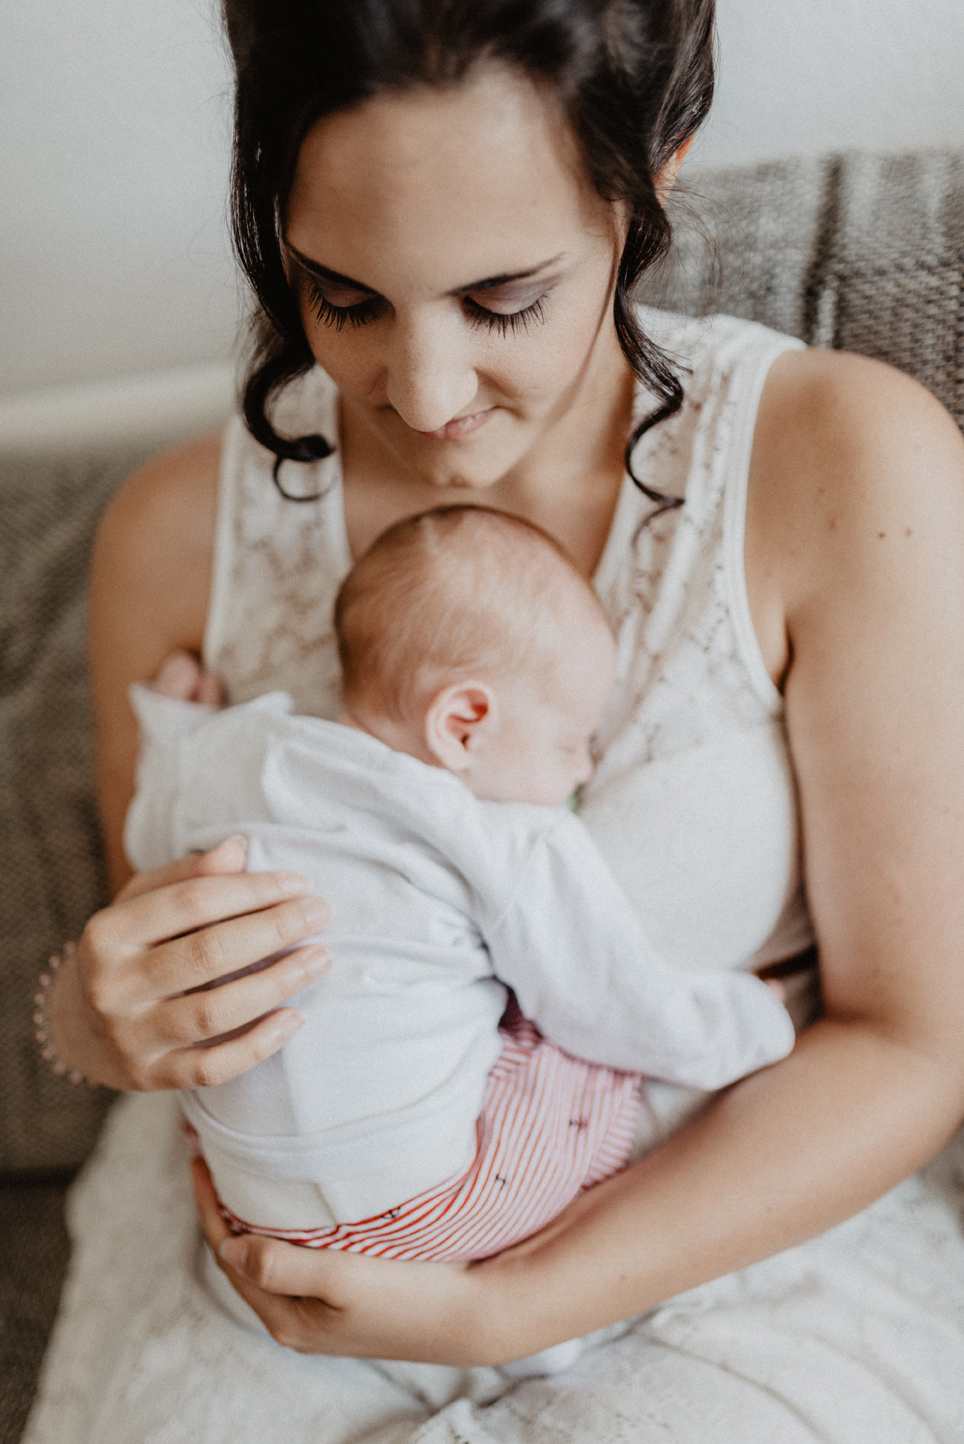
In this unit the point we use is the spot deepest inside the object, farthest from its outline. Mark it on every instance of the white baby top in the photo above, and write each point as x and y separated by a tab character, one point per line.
693	804
435	895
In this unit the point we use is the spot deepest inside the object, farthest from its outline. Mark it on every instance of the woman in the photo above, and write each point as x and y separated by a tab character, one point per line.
446	206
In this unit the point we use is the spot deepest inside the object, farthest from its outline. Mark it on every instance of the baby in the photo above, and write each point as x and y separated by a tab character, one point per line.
418	1113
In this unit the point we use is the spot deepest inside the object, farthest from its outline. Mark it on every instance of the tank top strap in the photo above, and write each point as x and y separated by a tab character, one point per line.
693	801
278	563
675	586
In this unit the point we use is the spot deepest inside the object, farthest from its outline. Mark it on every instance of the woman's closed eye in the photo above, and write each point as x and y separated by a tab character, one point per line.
504	321
343	305
352	307
507	306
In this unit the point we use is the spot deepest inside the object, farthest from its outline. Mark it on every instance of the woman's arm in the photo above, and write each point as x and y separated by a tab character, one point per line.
855	561
123	1012
149	585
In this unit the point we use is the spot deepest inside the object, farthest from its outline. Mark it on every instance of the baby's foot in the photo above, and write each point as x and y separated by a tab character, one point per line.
181	676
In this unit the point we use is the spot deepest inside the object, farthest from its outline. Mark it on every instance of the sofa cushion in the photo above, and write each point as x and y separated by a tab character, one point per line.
50	858
860	251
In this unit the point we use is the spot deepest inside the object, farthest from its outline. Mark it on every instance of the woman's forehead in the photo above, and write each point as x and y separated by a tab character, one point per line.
476	179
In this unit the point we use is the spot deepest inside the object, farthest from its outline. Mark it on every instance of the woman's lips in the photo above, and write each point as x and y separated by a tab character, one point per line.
461	426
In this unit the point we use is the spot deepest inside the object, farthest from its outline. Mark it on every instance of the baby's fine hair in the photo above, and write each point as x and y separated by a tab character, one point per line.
456	593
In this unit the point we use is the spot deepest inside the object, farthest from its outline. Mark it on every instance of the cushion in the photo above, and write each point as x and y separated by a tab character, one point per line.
50	857
860	251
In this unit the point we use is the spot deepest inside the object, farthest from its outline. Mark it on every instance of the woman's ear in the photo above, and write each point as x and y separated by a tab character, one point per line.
666	179
456	720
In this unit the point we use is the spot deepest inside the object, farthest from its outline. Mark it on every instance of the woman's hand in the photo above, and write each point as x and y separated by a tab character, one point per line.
135	1008
321	1301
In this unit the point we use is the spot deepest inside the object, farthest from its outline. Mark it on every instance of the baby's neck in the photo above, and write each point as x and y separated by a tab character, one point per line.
399	736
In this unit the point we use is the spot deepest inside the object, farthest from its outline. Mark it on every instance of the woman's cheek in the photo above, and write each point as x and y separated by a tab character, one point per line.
539	367
562	351
347	356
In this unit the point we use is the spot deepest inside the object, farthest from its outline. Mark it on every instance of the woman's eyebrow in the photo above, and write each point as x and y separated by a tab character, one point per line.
324	274
489	283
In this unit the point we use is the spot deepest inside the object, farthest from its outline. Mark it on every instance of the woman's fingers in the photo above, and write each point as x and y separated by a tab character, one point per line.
140	988
205	1067
262	1265
254	929
296	1322
274	1267
187	905
201	1017
152	1014
323	1301
229	857
304	1297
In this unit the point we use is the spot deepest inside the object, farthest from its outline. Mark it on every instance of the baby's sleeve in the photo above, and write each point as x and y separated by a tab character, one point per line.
162	722
574	952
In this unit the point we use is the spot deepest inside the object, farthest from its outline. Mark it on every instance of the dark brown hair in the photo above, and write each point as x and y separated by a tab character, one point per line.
635	78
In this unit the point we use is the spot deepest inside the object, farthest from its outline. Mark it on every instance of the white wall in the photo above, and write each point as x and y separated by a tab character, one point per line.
810	75
114	145
114	120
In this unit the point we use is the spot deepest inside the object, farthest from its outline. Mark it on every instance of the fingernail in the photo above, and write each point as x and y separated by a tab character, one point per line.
239	841
317	964
317	911
290	1023
233	1251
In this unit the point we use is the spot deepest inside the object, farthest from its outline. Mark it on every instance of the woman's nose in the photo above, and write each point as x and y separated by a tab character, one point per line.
430	379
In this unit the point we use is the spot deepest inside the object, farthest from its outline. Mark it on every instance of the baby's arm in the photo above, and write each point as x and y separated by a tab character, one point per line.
572	948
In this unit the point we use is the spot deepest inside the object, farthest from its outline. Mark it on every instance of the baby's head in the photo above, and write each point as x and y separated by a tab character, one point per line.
468	639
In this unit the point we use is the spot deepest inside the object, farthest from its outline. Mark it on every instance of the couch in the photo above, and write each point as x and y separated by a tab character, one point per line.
859	251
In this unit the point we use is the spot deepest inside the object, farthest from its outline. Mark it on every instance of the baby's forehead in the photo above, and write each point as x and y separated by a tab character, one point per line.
577	652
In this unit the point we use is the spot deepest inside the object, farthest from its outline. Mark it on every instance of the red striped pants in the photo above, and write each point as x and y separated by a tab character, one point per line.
551	1125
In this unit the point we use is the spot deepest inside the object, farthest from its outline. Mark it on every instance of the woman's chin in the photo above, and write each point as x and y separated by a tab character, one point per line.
463	480
458	466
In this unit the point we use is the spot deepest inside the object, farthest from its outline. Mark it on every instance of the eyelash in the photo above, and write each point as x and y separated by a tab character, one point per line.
496	321
364	311
337	316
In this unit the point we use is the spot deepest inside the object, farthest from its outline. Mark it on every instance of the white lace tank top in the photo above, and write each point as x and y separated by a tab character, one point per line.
693	802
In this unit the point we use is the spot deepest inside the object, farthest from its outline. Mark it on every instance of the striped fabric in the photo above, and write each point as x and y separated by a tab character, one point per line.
551	1125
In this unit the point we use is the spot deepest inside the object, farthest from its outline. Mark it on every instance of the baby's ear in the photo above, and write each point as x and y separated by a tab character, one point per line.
455	720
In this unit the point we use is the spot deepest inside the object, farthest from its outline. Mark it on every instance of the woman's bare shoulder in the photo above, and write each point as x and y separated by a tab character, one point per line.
848	453
838	434
169	500
156	539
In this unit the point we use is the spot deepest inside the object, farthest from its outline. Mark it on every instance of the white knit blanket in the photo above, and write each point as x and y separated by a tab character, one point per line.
855	1338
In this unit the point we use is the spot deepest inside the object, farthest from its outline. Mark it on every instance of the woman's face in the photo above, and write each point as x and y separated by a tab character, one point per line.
455	272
